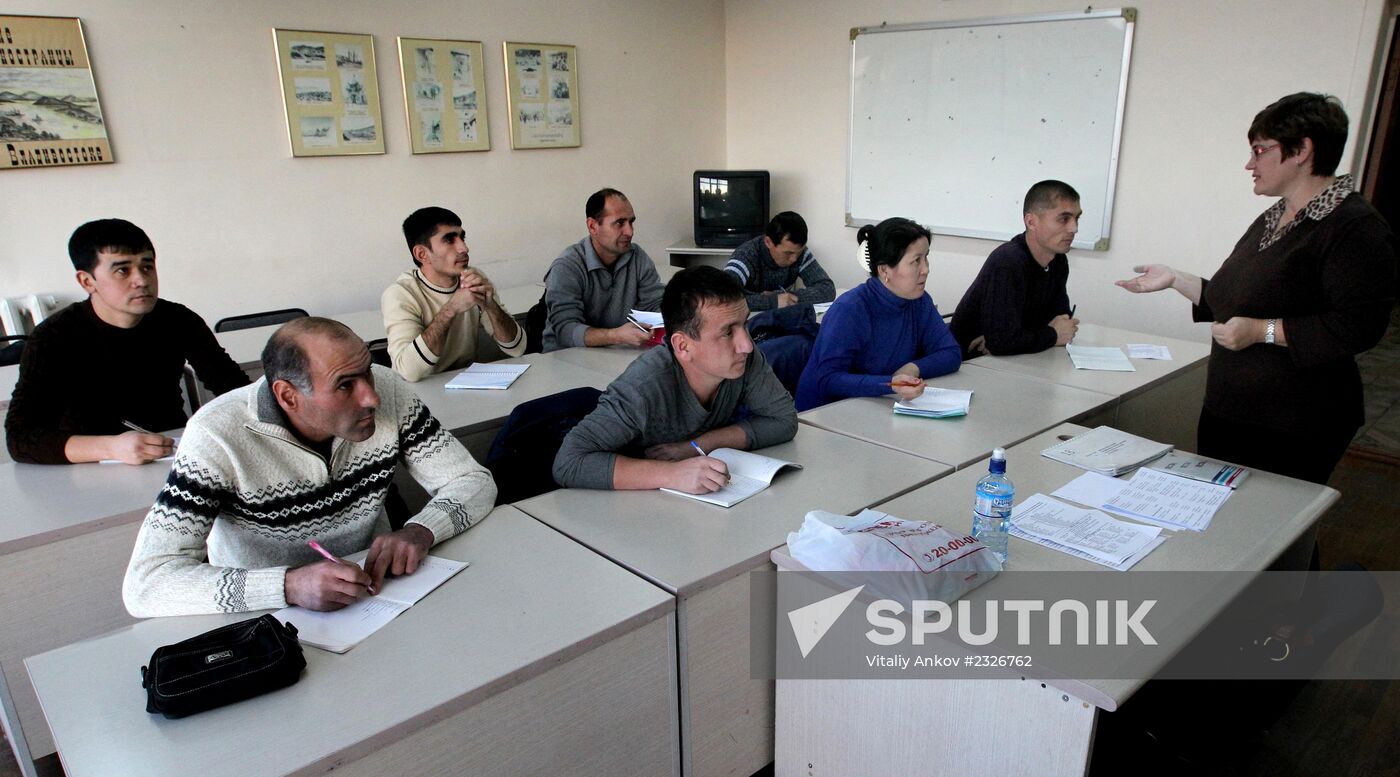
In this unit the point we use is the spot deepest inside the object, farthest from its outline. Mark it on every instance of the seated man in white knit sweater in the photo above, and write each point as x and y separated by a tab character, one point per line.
306	453
432	312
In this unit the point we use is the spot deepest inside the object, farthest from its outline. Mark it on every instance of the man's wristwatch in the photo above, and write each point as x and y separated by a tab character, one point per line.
1269	331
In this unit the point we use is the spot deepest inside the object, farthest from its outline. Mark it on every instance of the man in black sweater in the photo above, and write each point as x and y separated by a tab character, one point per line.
1018	302
101	378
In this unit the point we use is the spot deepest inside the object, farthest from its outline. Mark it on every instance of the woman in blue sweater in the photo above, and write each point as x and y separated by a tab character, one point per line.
885	333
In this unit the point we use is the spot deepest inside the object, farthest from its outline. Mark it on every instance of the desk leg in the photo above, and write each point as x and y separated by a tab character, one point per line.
995	728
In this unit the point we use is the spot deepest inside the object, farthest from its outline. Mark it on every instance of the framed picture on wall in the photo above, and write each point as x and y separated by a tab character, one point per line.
542	94
444	95
49	112
330	90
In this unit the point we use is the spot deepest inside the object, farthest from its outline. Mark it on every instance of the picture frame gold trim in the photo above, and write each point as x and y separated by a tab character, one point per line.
444	94
542	94
50	114
330	92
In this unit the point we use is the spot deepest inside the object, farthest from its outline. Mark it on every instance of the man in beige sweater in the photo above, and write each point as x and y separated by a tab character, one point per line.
432	312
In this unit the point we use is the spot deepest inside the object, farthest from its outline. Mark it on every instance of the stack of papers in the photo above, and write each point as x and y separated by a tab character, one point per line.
936	403
1201	468
1086	534
1087	357
347	627
487	376
1155	497
749	473
1107	450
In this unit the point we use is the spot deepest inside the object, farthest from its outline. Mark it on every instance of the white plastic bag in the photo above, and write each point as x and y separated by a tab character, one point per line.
938	564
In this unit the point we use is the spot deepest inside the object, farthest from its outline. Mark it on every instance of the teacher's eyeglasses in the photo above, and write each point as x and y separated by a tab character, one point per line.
1260	150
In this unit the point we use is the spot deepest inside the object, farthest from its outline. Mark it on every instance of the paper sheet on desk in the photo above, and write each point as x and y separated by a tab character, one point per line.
1110	359
1147	351
1168	500
1107	540
487	376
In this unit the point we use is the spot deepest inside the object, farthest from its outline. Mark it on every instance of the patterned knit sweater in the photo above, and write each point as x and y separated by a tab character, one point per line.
247	492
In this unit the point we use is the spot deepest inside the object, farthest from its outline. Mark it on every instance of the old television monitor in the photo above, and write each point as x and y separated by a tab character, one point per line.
731	206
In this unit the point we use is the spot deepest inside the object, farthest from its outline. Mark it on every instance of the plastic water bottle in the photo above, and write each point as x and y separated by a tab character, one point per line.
991	514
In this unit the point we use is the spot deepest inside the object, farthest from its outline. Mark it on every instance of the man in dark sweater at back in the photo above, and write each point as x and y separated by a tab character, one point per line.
1018	302
769	266
111	362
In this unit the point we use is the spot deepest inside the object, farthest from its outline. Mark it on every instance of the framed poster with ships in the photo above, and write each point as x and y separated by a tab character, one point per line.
49	112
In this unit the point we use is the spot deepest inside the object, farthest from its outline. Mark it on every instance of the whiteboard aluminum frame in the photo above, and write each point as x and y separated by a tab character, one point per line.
1129	14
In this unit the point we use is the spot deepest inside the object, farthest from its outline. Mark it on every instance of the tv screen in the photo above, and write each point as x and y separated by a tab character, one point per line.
731	206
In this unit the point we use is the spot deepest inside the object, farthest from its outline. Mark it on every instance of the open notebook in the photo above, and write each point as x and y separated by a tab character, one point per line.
749	473
487	376
345	628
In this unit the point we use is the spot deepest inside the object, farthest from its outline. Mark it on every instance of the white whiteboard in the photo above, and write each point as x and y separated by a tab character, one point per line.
951	122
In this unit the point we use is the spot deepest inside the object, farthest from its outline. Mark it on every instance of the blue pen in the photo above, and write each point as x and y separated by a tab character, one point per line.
697	447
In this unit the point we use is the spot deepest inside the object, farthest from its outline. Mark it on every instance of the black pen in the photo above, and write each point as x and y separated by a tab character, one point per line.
1072	308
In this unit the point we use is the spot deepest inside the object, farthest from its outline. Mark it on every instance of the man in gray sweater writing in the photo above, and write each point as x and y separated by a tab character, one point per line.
678	400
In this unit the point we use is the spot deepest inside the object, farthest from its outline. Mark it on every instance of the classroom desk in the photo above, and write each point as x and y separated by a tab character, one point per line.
1160	401
65	539
475	416
702	553
1006	409
840	723
539	658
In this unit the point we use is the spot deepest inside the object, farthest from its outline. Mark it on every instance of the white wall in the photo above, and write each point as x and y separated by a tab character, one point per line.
193	105
1200	71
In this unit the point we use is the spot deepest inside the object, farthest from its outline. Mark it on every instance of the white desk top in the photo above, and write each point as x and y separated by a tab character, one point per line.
245	346
1261	519
1054	365
612	359
686	546
468	411
530	601
49	502
1006	409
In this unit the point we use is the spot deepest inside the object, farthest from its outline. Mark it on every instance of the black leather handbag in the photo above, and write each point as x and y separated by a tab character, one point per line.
229	664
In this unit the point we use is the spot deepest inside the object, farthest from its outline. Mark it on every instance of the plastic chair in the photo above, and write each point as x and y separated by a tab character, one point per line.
521	458
266	318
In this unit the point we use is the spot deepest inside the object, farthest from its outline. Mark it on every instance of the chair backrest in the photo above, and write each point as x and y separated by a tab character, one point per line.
522	456
265	318
12	349
534	327
379	352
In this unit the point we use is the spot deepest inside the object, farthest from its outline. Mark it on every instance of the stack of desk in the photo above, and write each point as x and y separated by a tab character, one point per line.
539	658
841	725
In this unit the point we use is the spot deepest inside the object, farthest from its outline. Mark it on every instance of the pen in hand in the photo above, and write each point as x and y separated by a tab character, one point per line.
316	546
135	428
634	322
1072	308
698	449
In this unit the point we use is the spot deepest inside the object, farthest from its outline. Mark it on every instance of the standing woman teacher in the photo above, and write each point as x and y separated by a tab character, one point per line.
885	335
1309	286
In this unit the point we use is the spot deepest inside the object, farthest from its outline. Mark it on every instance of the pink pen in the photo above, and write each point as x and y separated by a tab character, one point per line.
316	546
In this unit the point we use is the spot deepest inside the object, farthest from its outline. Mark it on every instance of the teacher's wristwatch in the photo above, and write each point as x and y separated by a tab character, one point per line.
1269	331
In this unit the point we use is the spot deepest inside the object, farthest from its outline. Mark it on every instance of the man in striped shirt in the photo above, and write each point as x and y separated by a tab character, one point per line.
769	266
